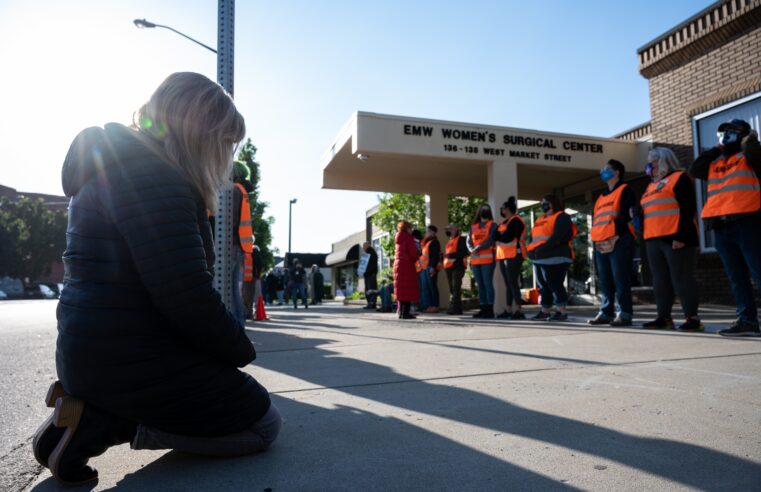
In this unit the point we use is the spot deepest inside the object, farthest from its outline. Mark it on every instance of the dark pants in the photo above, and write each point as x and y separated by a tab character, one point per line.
371	284
299	289
614	271
317	291
739	245
433	287
673	270
249	289
454	278
511	272
551	280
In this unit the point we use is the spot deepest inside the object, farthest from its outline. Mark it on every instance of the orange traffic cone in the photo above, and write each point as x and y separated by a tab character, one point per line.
261	314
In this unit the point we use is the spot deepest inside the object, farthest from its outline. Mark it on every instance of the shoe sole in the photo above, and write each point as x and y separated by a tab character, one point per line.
744	334
68	413
55	391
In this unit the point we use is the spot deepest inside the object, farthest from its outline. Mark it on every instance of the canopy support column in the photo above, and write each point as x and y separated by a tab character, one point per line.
437	213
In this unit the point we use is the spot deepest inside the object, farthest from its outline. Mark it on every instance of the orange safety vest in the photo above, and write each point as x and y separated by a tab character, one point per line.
245	231
607	209
479	235
660	208
451	248
506	251
733	188
425	258
543	229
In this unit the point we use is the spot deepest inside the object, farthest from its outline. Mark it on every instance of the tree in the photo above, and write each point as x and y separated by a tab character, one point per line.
395	207
32	237
261	225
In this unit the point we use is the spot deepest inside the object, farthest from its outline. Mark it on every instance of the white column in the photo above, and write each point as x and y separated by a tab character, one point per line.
437	213
502	183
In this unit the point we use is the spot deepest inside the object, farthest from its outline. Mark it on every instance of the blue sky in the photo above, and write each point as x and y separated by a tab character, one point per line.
302	68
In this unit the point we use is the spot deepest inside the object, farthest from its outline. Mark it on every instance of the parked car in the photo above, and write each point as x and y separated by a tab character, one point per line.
3	296
47	292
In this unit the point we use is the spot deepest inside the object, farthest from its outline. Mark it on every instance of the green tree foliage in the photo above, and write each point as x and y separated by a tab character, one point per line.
262	225
395	207
32	237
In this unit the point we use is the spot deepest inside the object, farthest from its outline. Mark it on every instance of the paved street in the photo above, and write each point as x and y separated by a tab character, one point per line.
372	403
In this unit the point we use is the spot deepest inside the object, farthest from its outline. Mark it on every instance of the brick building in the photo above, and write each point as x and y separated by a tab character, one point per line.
702	72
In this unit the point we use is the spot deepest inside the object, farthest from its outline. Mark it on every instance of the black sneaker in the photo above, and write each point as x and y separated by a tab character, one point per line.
540	316
618	322
600	319
518	315
659	324
558	316
693	325
505	315
740	329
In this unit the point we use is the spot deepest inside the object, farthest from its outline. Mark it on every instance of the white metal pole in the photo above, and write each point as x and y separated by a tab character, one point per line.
223	233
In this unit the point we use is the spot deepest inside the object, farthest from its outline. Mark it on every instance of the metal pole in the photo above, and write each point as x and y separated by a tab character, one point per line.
290	208
223	243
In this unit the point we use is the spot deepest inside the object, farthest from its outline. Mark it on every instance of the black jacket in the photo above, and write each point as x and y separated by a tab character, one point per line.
141	331
557	244
461	253
434	252
372	265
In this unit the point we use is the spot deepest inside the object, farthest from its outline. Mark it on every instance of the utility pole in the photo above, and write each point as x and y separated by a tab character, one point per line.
223	222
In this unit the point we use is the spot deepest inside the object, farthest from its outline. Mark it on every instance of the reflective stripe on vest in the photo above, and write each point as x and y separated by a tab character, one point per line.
451	248
733	188
543	229
245	231
478	236
607	208
660	208
248	268
425	257
506	251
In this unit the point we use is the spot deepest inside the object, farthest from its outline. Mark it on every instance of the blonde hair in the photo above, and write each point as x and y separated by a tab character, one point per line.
194	124
667	161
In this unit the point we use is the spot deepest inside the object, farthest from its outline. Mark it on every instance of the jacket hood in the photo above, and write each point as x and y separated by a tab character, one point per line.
97	149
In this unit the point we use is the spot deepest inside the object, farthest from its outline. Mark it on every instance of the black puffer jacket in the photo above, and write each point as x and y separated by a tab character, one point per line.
141	332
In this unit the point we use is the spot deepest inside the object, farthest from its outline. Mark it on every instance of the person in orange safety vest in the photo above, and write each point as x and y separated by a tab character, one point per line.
481	246
732	211
455	262
510	252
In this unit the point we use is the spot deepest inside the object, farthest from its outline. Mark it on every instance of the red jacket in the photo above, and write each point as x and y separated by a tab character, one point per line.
405	277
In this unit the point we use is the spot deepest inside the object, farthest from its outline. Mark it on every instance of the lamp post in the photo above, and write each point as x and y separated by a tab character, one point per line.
290	208
223	223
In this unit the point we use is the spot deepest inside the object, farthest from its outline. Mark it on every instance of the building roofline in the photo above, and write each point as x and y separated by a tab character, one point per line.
679	26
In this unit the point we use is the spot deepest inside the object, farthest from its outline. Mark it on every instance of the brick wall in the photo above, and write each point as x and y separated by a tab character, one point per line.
725	74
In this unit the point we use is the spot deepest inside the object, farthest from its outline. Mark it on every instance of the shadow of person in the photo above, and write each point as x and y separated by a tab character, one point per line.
688	464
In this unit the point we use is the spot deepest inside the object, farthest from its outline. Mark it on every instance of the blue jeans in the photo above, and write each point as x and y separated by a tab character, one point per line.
739	245
424	281
551	280
237	308
299	290
484	276
385	296
614	271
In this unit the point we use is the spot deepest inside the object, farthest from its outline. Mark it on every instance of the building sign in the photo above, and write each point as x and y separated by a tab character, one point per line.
492	144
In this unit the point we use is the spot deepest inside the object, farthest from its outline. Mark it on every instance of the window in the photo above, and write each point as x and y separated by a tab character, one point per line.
704	128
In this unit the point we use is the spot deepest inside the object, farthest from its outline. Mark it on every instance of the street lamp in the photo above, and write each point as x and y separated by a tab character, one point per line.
144	24
290	208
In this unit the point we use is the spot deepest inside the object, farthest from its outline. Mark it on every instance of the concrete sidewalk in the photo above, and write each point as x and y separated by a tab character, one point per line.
442	403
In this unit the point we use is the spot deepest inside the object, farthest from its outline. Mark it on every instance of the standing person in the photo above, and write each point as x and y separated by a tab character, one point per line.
422	276
405	278
298	284
671	239
551	250
455	263
243	238
613	236
510	238
147	352
430	263
281	279
371	276
733	212
318	285
481	246
252	289
270	287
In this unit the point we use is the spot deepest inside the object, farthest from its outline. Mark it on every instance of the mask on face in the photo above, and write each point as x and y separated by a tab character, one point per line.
449	234
607	174
649	169
485	214
546	207
728	137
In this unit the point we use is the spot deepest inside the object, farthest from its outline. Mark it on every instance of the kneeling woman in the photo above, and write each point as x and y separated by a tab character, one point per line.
147	353
552	252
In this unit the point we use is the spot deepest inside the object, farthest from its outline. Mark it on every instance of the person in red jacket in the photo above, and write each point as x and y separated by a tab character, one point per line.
405	276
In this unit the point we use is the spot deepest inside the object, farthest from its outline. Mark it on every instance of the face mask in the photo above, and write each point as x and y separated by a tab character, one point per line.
546	207
728	137
448	233
607	174
485	214
649	169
